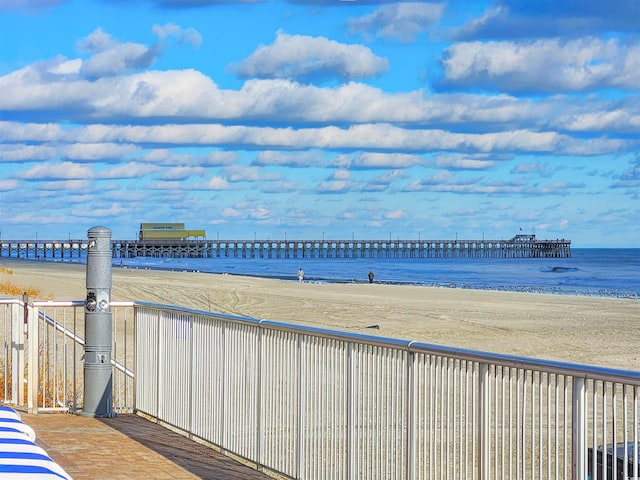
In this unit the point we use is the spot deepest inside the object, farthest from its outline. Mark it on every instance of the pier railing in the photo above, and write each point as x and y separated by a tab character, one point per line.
313	403
520	246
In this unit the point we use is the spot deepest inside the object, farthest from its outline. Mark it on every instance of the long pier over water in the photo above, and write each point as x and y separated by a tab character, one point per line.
520	246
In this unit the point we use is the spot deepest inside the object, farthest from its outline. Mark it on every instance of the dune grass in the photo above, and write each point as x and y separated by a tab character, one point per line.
10	288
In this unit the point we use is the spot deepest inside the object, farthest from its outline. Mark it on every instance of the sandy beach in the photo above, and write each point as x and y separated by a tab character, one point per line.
590	330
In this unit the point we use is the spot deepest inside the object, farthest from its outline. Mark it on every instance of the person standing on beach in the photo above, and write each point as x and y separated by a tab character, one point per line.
300	275
370	276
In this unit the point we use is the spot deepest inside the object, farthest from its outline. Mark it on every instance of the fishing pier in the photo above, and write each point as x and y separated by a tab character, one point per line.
520	246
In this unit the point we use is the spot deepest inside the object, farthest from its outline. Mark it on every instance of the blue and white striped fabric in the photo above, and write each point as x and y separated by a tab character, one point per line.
8	412
10	423
20	457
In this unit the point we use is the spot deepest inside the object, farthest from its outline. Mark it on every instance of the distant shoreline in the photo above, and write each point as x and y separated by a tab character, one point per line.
551	290
580	329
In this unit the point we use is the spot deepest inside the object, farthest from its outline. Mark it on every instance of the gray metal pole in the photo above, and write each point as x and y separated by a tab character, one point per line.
97	348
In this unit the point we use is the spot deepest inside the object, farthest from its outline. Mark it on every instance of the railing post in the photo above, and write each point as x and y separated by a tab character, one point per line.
159	366
483	434
302	380
191	373
260	437
351	442
411	419
98	374
18	335
579	429
33	370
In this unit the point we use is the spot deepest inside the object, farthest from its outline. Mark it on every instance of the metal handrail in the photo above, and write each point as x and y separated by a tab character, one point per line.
76	338
509	361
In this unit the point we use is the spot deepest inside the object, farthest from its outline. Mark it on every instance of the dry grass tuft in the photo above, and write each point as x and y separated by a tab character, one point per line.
11	288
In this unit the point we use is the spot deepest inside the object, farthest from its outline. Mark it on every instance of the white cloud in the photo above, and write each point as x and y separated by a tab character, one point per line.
385	160
334	186
175	187
338	182
388	177
361	137
110	58
96	41
395	214
14	132
171	30
462	162
232	213
548	65
78	152
341	175
217	183
550	18
65	67
117	60
168	157
127	170
181	173
280	186
7	185
534	167
67	186
445	182
25	153
402	21
188	95
96	151
591	117
111	210
57	171
284	159
304	58
239	173
260	213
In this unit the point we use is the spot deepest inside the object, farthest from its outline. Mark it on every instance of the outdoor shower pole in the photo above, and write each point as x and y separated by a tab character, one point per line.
97	324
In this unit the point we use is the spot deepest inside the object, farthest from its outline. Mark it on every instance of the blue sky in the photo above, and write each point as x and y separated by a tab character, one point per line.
316	118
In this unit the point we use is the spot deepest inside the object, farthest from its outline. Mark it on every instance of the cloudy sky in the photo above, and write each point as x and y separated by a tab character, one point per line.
312	118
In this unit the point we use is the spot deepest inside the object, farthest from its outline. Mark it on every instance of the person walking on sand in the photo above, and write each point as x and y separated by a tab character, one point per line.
300	275
370	276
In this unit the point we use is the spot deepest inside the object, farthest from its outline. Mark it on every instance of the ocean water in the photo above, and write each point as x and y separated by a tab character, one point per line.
595	272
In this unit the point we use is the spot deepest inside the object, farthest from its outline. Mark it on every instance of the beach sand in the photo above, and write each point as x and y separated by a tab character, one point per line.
579	329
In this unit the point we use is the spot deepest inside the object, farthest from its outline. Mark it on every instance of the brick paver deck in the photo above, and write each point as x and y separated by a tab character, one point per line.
130	447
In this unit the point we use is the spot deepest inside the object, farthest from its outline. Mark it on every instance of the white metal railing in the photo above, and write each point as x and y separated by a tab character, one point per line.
319	404
43	354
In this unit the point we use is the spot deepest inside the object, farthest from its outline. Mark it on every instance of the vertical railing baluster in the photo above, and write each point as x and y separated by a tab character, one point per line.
33	362
410	465
483	412
579	429
350	411
301	403
636	459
